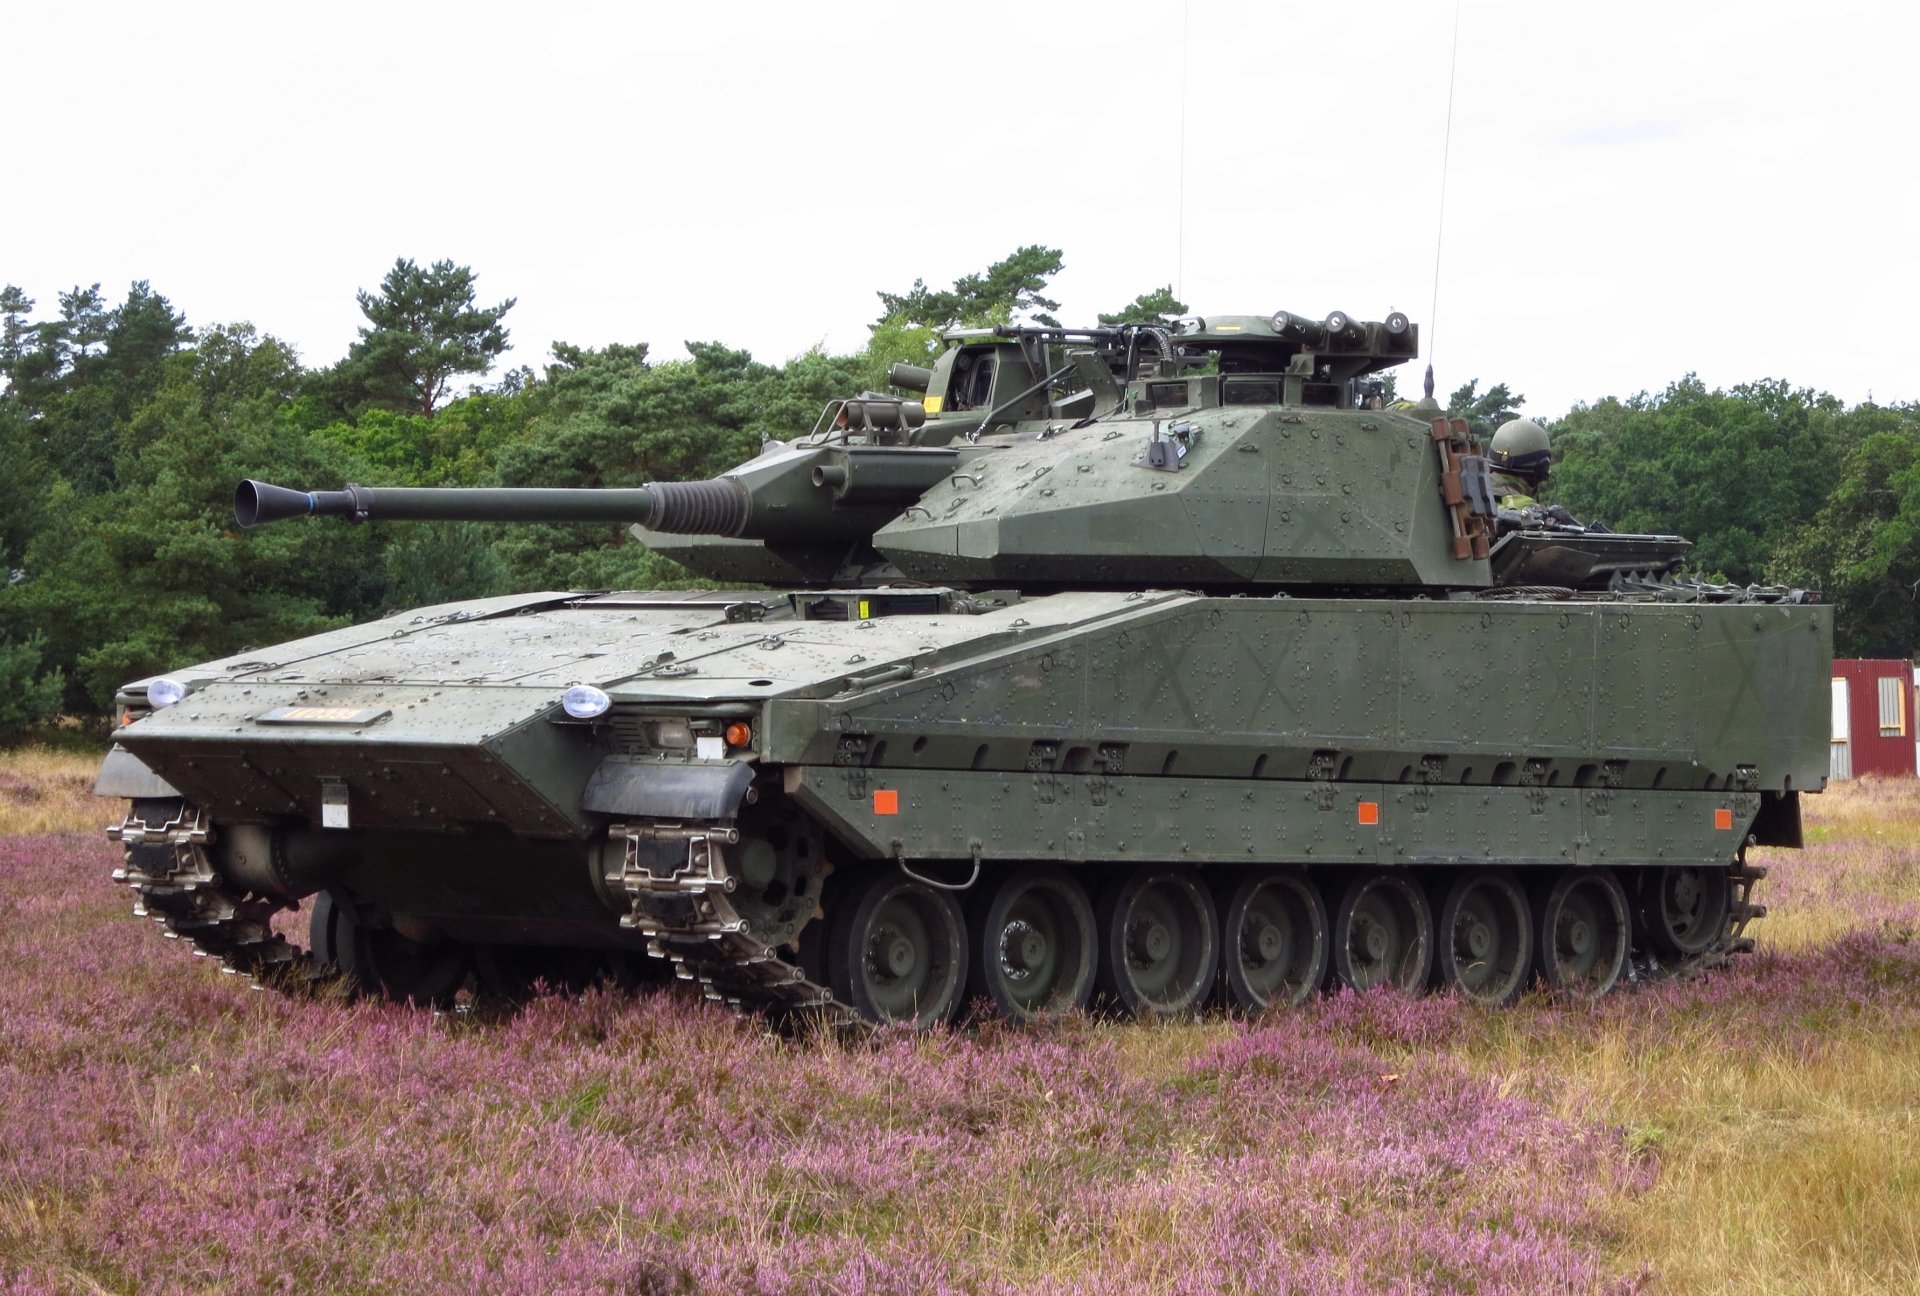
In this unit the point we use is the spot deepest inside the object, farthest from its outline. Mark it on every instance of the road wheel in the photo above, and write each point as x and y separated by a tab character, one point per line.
1683	910
1485	939
1159	942
1033	944
1383	933
1584	932
1273	946
899	951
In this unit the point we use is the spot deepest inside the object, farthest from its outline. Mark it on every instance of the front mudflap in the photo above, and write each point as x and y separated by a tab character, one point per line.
636	787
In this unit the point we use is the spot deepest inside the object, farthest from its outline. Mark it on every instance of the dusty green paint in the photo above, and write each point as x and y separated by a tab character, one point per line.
1094	818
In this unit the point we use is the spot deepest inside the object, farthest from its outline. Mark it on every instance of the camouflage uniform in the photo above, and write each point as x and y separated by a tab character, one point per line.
1511	492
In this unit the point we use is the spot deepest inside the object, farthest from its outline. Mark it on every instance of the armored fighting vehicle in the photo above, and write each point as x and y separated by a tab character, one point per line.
1154	665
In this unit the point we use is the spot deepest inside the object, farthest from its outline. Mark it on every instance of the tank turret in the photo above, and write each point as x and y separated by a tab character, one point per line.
1217	452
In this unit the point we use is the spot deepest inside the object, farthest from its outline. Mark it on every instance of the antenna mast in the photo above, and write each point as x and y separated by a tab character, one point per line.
1180	221
1440	225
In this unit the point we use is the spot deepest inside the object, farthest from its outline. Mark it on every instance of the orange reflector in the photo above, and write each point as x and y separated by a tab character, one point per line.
1723	818
1369	812
886	801
739	735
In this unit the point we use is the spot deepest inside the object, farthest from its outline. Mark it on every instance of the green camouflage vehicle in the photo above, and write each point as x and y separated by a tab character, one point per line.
1147	665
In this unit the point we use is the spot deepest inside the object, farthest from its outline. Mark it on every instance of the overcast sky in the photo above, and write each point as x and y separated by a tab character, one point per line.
1634	190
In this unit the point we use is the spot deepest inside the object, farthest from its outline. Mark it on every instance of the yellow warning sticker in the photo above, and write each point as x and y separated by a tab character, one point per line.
932	404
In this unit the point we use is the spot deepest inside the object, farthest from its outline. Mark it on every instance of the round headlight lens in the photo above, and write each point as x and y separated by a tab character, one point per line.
165	692
584	702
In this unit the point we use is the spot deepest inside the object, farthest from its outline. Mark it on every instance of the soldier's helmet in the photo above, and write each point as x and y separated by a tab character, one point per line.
1521	447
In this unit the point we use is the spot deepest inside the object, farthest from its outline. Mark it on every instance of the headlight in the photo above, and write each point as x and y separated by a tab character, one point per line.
165	692
584	702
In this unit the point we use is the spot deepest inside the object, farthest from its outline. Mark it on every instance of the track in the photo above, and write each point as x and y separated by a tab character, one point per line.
686	913
682	897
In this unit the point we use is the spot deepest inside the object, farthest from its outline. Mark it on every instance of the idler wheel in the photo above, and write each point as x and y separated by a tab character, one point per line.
1033	941
1683	909
898	952
427	975
1485	942
1159	942
1383	933
1273	948
1584	932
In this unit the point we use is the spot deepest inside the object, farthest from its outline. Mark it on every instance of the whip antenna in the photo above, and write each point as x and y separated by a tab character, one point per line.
1440	225
1180	221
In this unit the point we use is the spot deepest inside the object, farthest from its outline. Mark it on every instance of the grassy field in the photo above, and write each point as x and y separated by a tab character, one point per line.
164	1129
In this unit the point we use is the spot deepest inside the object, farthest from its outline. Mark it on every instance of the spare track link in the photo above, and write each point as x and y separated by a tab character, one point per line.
689	919
175	884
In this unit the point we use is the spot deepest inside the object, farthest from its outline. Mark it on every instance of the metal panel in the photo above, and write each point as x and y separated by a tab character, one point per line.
1089	817
1893	706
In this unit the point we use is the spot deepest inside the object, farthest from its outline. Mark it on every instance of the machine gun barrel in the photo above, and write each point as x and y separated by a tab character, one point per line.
714	507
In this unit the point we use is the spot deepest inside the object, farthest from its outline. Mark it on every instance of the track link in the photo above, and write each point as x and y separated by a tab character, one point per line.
687	914
175	884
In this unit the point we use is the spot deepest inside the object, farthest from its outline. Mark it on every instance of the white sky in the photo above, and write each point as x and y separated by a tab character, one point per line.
1635	190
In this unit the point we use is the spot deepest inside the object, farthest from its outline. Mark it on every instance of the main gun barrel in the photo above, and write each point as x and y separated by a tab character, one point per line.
715	507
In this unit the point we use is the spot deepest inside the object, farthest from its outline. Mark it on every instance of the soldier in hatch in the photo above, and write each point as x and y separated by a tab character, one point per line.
1521	457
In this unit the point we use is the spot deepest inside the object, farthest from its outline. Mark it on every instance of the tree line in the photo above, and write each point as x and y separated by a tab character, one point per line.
123	430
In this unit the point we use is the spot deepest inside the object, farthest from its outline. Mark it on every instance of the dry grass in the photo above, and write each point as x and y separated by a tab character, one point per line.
1787	1137
46	790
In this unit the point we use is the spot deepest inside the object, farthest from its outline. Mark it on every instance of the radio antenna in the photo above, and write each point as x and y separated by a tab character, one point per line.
1180	220
1440	225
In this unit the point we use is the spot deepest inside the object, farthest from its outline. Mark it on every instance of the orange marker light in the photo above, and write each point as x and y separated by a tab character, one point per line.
1369	812
886	801
739	735
1723	818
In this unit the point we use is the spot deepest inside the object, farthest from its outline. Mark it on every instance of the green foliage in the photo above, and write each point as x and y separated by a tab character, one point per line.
424	328
84	373
127	582
1004	290
1734	471
1484	411
16	331
25	483
1862	549
1148	308
28	695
